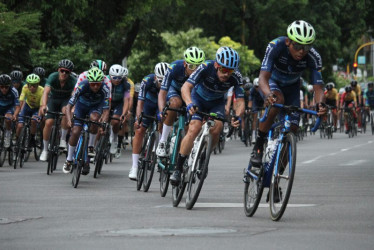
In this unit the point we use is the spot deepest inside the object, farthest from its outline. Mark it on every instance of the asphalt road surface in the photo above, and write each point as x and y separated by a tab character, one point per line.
331	205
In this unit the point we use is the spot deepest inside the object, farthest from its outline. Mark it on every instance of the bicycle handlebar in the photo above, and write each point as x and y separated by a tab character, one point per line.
55	113
290	109
89	121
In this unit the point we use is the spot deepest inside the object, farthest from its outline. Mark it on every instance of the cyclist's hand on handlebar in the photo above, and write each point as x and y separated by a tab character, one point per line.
270	99
235	121
191	108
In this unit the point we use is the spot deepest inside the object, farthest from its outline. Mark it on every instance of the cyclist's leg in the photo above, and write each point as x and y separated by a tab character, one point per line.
64	124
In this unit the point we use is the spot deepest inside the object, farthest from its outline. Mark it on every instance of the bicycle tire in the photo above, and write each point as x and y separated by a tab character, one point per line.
178	191
289	144
38	148
50	151
10	153
150	163
99	155
2	149
199	173
77	168
253	190
24	153
139	181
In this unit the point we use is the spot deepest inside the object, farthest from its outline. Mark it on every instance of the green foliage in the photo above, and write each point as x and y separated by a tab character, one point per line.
48	58
340	80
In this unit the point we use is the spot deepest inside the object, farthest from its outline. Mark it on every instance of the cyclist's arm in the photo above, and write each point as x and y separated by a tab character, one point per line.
162	99
239	109
139	108
319	96
126	104
264	82
47	90
186	92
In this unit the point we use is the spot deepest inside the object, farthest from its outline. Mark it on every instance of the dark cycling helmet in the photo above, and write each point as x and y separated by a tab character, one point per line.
16	75
39	71
353	83
227	57
348	89
99	64
370	84
330	86
66	64
5	80
247	86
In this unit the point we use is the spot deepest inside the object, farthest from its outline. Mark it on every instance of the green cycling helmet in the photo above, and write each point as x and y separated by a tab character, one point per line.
95	75
33	79
301	32
194	55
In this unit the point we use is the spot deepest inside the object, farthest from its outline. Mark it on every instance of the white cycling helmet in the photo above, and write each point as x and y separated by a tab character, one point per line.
125	72
116	70
310	88
341	90
161	69
256	82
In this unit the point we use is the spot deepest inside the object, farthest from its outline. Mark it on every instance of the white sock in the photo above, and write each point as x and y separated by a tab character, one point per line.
165	133
45	145
253	134
135	159
91	140
71	152
7	133
115	137
64	132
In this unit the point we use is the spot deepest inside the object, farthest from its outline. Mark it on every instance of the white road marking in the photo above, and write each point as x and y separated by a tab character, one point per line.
353	163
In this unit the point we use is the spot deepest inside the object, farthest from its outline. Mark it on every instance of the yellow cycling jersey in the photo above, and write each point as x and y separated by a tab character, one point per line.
357	90
132	87
332	94
349	96
34	100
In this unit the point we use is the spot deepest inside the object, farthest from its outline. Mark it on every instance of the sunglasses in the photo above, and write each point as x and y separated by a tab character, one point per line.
159	79
224	70
93	84
64	71
33	85
192	66
117	77
4	87
298	46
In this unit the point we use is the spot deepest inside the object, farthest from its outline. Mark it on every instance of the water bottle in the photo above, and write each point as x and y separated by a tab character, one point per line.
272	144
171	144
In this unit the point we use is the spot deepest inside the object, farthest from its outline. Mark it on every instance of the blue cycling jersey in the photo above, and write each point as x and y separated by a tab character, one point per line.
369	97
175	76
120	91
148	89
286	71
10	99
208	86
86	96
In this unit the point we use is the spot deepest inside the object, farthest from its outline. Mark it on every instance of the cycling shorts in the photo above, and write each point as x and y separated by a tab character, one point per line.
81	111
150	109
117	108
27	111
55	105
173	93
216	106
6	110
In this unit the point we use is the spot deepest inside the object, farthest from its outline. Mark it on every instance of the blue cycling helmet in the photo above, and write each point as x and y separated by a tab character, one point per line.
227	57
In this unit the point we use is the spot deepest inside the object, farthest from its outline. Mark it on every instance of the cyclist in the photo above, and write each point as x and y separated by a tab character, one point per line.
208	85
341	91
348	100
331	95
17	80
120	101
57	93
41	73
9	105
285	60
369	97
147	103
255	101
30	101
90	98
176	76
357	89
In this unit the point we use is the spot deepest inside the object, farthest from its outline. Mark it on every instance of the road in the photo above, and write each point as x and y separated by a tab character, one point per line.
331	205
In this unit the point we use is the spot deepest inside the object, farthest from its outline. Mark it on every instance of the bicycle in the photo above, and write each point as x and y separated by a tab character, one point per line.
54	149
22	147
352	128
4	151
103	146
148	158
81	151
198	160
280	151
372	121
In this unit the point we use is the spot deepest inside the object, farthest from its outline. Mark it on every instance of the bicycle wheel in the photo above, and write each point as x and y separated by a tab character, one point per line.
253	190
150	163
372	124
80	160
38	148
99	156
11	153
2	149
50	151
199	173
178	191
140	176
24	153
282	177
